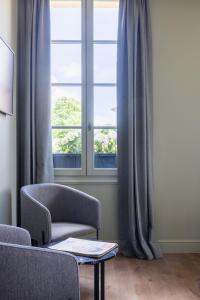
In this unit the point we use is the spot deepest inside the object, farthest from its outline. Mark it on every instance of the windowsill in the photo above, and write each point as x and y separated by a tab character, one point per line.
68	179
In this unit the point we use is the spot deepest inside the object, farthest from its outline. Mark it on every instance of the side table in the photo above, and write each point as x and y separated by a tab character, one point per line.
99	271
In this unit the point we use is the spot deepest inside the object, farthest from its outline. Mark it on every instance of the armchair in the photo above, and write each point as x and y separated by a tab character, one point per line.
29	273
53	212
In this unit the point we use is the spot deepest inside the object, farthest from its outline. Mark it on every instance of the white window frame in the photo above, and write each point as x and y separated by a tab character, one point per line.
87	88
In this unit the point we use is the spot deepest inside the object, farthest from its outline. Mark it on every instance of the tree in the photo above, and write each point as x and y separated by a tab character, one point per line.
66	112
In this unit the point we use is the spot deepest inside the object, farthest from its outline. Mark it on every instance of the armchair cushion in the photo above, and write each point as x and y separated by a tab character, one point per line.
62	231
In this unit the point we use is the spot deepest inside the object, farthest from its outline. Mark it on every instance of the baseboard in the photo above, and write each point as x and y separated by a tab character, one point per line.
180	246
175	246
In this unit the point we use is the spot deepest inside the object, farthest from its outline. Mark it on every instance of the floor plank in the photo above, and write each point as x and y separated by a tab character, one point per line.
174	277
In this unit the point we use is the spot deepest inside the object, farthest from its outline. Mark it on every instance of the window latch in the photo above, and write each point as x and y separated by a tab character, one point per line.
89	126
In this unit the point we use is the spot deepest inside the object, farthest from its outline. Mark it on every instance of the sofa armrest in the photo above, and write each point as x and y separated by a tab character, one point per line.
35	218
14	235
34	273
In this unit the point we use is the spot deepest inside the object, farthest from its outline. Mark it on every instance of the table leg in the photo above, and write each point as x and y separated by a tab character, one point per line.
96	282
103	281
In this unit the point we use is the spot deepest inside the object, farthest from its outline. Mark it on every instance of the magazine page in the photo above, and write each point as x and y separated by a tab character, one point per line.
84	247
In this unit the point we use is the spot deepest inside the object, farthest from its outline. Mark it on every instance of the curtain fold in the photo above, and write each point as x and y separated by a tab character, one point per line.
135	113
35	164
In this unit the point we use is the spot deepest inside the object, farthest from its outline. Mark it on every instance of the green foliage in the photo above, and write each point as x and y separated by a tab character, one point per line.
67	112
105	141
66	141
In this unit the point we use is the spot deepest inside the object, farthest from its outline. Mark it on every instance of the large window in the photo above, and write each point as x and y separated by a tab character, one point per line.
84	46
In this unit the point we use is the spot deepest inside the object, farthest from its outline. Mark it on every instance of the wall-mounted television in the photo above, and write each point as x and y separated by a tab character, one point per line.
6	78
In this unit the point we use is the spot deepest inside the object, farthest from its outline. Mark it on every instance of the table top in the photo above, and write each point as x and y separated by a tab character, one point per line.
85	260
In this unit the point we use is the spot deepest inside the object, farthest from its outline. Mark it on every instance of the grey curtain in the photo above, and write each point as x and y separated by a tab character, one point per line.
135	131
35	163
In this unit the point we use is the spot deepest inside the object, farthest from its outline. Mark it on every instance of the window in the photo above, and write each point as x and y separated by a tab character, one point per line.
84	46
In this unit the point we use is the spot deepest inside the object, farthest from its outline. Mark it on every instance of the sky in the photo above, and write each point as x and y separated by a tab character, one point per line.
66	59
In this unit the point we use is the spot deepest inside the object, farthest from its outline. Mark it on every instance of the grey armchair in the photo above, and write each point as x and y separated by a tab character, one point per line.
53	212
30	273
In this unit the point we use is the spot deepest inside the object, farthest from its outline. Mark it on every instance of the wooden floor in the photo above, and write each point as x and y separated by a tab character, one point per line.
174	277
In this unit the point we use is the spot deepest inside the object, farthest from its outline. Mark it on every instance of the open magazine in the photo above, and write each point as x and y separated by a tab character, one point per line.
82	247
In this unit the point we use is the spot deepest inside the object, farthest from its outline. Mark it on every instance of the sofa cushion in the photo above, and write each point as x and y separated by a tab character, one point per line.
62	231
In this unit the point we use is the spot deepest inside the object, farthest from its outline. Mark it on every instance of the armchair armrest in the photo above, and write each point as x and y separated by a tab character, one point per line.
14	235
77	207
34	273
36	218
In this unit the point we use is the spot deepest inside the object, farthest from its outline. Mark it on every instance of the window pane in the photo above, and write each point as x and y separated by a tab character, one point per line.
105	106
67	148
105	148
66	106
66	20
66	63
105	60
105	20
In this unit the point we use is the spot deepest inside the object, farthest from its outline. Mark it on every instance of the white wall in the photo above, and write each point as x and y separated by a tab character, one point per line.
8	125
176	46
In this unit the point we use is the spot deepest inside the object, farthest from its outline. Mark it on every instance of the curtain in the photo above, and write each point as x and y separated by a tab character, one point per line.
35	164
135	168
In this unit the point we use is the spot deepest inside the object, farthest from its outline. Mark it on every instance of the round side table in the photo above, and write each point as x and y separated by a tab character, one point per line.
99	271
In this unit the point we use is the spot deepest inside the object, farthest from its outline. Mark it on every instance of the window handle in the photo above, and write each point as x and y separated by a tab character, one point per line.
89	126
